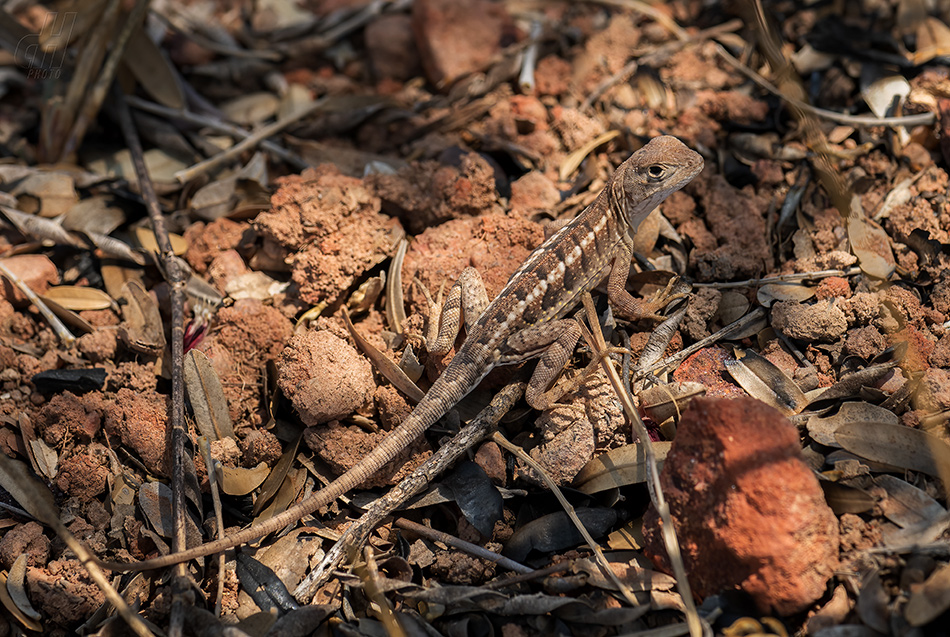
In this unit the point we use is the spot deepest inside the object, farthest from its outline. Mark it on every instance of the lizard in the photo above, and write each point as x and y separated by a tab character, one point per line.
525	320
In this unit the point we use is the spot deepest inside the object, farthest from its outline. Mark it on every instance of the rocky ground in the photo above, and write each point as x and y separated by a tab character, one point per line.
804	384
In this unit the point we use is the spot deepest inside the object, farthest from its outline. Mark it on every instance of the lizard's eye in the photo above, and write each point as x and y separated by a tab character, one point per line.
656	171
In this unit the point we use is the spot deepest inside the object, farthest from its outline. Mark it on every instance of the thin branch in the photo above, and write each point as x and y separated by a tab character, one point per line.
468	547
218	125
175	432
249	142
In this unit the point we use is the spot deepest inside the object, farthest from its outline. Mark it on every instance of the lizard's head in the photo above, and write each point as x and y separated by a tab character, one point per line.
662	166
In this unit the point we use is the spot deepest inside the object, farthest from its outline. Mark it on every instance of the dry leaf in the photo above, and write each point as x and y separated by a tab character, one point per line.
253	109
661	402
79	298
822	429
618	467
241	481
766	382
772	292
931	599
11	606
206	395
151	68
142	329
574	160
147	241
732	306
46	194
869	243
16	589
896	445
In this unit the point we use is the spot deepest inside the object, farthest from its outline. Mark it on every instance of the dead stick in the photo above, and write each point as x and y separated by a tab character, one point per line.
175	432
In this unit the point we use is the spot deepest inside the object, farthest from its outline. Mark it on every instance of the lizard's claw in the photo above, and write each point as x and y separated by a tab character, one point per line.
663	298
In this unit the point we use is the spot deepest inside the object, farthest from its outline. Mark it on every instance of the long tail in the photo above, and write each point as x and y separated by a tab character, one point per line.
459	378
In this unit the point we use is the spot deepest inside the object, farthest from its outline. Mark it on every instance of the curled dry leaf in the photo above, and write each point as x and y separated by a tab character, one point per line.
618	467
661	402
142	329
17	590
11	606
772	292
241	481
395	305
574	160
366	294
822	429
766	382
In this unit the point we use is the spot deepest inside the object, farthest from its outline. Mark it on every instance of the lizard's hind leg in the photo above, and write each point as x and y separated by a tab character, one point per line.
467	299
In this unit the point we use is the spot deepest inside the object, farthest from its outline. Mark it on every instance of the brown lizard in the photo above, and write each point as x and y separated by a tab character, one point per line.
524	321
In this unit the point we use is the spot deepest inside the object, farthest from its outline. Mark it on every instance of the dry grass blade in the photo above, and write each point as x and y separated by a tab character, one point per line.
383	364
574	160
395	305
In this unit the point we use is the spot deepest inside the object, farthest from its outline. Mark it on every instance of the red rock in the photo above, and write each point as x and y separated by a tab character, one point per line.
533	193
392	48
707	366
139	418
822	321
492	462
83	476
457	37
324	377
833	286
36	270
25	538
748	511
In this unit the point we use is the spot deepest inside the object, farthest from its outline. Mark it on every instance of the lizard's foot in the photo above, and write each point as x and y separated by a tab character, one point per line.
661	299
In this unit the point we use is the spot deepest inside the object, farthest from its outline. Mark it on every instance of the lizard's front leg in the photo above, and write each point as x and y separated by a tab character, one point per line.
554	342
623	302
466	300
